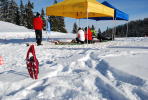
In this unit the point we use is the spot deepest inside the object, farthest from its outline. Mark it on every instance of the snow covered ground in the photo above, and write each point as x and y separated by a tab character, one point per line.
114	70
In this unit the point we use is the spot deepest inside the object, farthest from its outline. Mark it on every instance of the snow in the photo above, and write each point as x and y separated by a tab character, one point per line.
9	27
114	70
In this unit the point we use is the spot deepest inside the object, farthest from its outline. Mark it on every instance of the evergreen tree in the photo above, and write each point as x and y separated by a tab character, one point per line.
22	14
145	26
1	5
92	27
9	11
135	29
61	25
99	31
75	28
107	33
29	15
13	12
17	17
53	23
43	18
42	13
4	10
57	23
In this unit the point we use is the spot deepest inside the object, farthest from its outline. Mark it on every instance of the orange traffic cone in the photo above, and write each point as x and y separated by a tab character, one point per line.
1	60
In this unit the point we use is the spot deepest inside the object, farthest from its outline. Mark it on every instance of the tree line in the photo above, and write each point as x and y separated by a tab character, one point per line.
137	28
23	15
17	14
75	28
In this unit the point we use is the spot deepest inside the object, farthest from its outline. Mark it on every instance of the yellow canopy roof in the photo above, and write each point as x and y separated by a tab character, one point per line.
79	9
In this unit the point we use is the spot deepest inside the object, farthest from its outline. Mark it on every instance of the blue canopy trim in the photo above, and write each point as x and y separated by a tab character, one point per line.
119	15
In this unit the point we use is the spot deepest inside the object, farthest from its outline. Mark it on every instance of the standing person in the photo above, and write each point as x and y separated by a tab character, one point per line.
80	36
94	34
38	26
88	35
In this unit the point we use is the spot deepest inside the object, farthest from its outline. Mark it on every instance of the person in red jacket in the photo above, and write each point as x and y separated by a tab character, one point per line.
38	26
88	35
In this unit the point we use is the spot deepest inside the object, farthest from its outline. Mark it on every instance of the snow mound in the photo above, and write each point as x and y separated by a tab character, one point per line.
9	27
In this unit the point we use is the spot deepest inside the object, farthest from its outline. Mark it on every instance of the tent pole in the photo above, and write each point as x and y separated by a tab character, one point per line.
113	31
79	22
113	38
127	30
87	25
47	29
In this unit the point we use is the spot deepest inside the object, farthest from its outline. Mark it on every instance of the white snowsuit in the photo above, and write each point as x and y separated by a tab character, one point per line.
81	35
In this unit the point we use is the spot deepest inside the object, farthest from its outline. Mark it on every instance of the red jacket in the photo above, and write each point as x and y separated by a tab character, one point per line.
89	34
37	23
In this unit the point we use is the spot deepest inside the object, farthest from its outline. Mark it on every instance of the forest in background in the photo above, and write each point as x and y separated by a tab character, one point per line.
137	28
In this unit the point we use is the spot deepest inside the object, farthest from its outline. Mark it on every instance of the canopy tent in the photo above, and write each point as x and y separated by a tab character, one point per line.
119	15
79	9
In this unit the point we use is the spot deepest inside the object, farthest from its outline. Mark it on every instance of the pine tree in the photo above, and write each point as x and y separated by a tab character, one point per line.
29	15
22	14
53	23
145	26
61	25
75	28
92	27
1	4
107	33
17	17
4	10
135	29
99	31
9	11
43	18
57	23
13	11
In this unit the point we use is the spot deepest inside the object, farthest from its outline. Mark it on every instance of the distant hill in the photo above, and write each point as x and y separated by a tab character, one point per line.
137	28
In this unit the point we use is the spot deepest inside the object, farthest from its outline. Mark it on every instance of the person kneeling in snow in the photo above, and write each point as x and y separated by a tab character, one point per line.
80	36
100	37
38	25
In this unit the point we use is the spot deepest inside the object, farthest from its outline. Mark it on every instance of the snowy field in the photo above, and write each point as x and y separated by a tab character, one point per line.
114	70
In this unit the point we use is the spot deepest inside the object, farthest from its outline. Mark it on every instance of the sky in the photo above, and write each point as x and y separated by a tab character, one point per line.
136	9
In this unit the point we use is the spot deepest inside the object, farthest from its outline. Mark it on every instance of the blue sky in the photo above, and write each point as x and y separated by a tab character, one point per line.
137	9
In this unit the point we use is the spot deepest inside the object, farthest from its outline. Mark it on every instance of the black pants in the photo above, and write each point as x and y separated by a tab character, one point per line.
101	37
89	41
79	41
38	34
